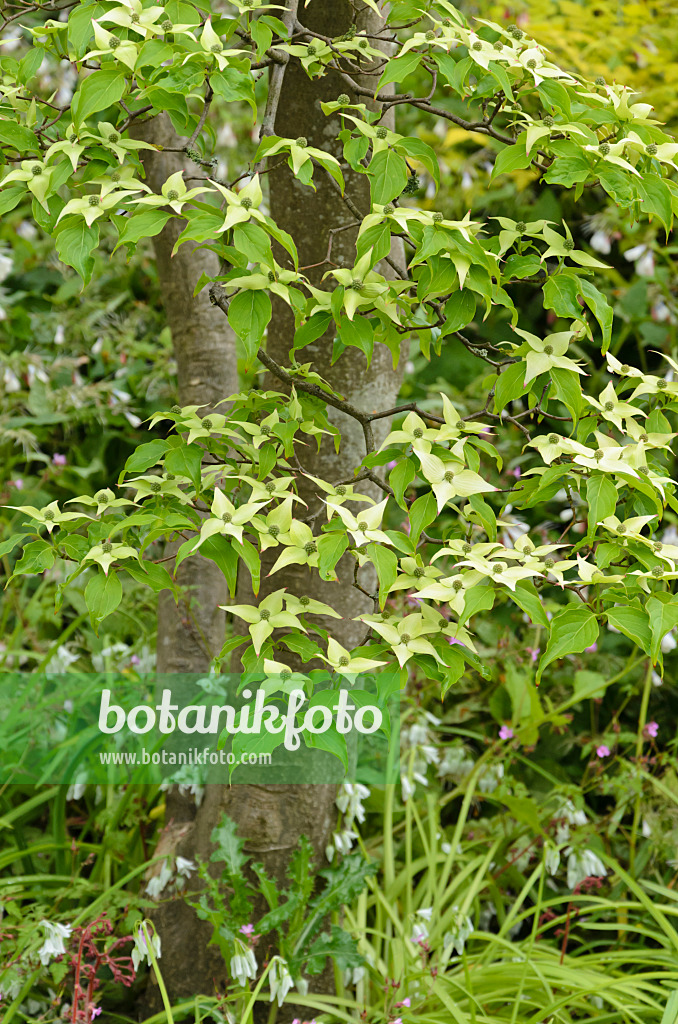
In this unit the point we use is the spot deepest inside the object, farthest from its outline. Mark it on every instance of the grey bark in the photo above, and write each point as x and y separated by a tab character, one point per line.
272	817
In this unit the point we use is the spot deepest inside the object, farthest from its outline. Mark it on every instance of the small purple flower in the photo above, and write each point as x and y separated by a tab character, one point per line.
452	640
592	649
406	1002
533	652
58	459
602	751
18	483
515	472
391	465
135	660
96	1010
506	732
651	729
247	929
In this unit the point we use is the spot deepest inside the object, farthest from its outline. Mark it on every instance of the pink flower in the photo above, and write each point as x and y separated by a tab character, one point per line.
96	1010
406	1002
515	472
603	751
453	640
592	649
247	929
651	729
533	652
135	660
18	483
506	732
389	465
59	460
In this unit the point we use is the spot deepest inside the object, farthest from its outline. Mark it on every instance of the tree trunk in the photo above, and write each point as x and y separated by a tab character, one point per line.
273	817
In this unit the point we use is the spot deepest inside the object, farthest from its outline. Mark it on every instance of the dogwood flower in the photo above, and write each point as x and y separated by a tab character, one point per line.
501	572
275	488
49	516
265	617
53	945
608	458
70	145
611	152
120	178
134	17
344	663
226	519
148	486
339	494
95	205
362	287
405	636
552	446
173	194
663	152
243	205
305	605
35	175
365	528
103	500
301	547
108	136
108	552
414	574
124	50
543	355
451	479
452	590
612	409
627	529
301	153
276	523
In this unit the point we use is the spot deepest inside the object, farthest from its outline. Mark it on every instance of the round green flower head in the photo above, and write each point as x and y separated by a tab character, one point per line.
36	170
382	132
343	98
246	203
600	80
301	142
549	121
389	208
568	245
311	50
207	423
477	45
651	150
604	148
548	349
521	226
167	26
156	487
172	195
107	546
93	200
175	408
437	218
48	515
553	439
114	42
430	36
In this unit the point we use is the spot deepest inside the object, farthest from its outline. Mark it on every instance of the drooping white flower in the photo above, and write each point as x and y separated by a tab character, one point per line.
583	864
140	952
53	945
243	963
462	928
280	979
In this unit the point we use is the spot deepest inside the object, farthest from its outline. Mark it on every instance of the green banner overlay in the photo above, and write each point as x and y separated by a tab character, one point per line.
121	728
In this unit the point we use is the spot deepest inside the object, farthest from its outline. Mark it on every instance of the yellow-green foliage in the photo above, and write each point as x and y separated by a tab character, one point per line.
631	43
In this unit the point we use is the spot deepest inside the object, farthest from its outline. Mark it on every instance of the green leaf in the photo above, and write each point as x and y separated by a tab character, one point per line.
220	550
19	136
99	91
572	631
419	150
526	597
253	241
484	514
185	460
511	158
249	313
600	308
510	384
229	848
568	170
460	309
386	564
634	623
601	495
36	557
388	176
655	199
75	243
561	292
662	610
250	557
422	513
145	456
141	225
103	594
338	945
399	68
400	478
151	575
454	669
567	390
616	183
331	547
